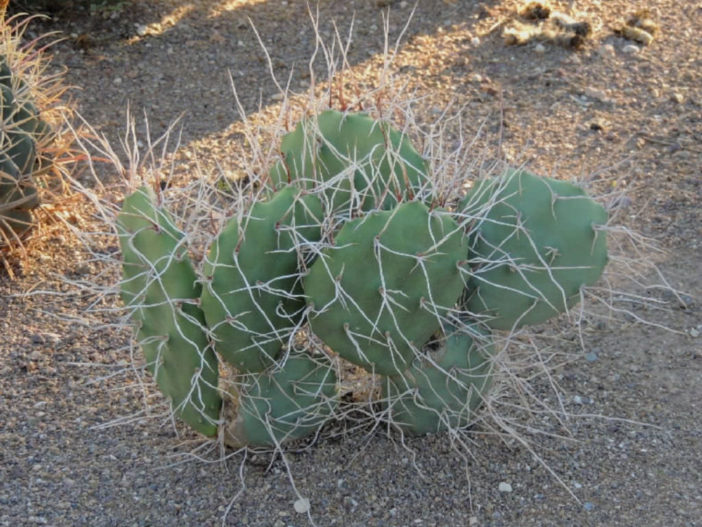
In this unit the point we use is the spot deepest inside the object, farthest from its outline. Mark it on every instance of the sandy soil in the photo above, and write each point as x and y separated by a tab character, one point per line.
633	113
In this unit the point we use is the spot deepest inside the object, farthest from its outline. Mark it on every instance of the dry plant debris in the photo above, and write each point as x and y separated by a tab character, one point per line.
639	27
538	21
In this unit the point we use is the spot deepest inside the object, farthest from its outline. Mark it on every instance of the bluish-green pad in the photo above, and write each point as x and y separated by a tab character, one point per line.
535	244
161	290
377	163
252	298
379	293
444	386
284	403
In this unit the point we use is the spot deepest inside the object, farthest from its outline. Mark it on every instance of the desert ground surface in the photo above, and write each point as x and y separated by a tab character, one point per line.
612	106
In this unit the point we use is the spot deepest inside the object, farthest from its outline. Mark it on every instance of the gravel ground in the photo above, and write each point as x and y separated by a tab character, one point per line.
632	112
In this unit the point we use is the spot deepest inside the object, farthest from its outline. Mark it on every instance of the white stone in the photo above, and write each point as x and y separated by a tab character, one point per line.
631	49
595	93
302	505
504	487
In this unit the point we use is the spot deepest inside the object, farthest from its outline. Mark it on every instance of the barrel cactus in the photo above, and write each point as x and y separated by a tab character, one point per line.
343	258
23	129
36	144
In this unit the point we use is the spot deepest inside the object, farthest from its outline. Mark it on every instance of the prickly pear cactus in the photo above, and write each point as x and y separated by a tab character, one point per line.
22	129
161	292
536	242
252	298
284	403
381	291
359	162
343	269
445	385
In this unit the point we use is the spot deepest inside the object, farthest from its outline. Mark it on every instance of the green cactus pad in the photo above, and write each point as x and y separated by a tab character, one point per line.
444	386
534	246
252	297
348	156
284	403
378	294
161	290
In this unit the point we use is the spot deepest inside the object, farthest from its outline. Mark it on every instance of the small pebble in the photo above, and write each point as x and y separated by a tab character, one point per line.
504	487
687	301
302	505
607	50
141	30
588	506
596	93
677	97
694	333
475	41
591	357
540	48
631	49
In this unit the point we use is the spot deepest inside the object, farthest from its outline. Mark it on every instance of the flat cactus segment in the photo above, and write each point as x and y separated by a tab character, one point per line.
161	289
284	403
442	388
380	292
359	162
252	297
535	244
